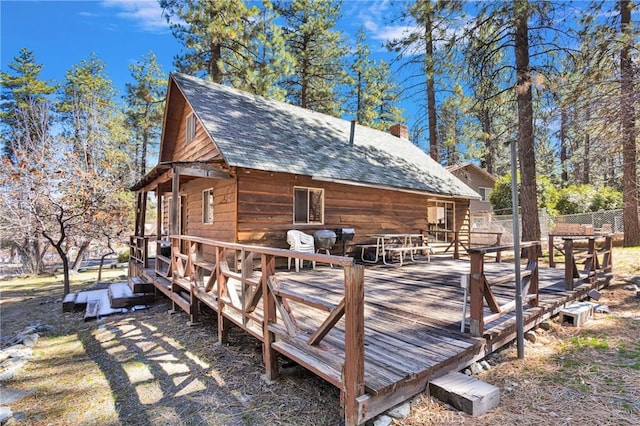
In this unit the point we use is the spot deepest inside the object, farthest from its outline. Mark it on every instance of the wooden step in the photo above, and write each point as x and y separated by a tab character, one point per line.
69	301
121	296
140	285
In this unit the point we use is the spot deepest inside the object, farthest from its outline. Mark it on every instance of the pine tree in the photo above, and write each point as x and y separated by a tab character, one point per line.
269	63
217	36
419	50
318	50
372	93
22	93
145	105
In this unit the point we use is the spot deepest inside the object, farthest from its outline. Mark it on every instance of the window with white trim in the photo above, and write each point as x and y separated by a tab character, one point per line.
484	193
207	206
190	130
308	205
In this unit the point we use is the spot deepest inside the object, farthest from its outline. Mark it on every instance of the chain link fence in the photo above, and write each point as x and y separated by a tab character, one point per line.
602	221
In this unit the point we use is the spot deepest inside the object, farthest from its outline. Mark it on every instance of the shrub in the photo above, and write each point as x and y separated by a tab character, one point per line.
500	197
123	256
587	198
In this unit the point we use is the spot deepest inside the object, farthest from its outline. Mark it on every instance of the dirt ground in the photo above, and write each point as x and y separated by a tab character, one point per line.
150	368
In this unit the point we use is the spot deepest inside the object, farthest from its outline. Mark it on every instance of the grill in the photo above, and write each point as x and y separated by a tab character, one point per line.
324	239
343	235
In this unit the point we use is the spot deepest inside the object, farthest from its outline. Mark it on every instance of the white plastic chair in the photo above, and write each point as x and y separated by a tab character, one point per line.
299	241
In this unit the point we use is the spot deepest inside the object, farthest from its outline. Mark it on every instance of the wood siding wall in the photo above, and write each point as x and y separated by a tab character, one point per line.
265	209
224	209
201	148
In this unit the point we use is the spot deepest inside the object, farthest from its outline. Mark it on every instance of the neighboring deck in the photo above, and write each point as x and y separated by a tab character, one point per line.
412	318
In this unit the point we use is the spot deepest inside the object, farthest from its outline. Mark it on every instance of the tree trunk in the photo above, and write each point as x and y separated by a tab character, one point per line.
214	69
629	148
526	152
487	131
586	155
434	145
77	263
564	176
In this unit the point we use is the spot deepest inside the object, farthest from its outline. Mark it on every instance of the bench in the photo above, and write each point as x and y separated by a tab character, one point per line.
401	250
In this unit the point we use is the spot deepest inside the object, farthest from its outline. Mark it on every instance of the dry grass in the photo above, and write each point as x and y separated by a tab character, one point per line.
150	368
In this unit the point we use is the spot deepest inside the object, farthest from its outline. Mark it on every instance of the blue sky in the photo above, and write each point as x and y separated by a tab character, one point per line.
62	33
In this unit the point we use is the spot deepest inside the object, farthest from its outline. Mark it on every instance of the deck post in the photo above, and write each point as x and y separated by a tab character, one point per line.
174	208
607	259
568	264
223	332
272	370
534	283
591	264
498	242
476	293
456	248
552	262
353	370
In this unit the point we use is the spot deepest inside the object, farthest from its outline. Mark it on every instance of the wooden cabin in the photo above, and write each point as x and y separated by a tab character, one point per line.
240	168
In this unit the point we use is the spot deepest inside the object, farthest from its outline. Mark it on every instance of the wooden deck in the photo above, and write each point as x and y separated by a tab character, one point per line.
412	317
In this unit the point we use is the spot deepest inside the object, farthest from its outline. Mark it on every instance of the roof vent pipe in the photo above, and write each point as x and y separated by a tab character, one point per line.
353	132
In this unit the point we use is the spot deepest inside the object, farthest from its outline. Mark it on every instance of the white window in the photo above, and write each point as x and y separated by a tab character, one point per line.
190	131
308	205
207	206
484	193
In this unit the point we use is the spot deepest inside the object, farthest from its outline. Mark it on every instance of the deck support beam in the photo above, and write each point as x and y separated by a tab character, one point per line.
353	370
269	311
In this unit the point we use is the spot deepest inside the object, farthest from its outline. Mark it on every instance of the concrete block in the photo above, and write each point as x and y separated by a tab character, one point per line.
465	393
576	315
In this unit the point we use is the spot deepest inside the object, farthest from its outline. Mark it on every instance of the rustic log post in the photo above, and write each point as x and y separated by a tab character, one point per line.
498	242
223	332
552	262
568	264
476	294
456	248
353	370
174	208
145	253
272	370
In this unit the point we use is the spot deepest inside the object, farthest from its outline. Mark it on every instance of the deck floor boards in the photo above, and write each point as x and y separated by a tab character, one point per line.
412	318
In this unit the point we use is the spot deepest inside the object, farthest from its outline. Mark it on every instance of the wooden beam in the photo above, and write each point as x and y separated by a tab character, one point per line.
174	212
202	170
272	370
476	293
328	324
353	370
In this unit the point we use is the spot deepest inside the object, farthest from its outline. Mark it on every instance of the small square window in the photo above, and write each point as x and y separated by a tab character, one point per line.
308	205
484	193
190	130
207	206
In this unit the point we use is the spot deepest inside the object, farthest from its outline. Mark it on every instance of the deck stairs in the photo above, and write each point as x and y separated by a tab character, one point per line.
108	298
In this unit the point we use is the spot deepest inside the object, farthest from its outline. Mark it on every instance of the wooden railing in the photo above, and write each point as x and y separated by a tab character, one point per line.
139	250
456	242
595	246
241	284
480	285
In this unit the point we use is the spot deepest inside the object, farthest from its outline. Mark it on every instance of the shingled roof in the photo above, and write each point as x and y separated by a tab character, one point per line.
258	133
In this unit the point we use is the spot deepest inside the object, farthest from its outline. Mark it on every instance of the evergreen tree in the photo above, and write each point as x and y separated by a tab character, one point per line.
215	34
318	50
145	105
270	62
372	92
22	93
418	50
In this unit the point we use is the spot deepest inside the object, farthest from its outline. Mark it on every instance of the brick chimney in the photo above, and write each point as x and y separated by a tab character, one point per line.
399	131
